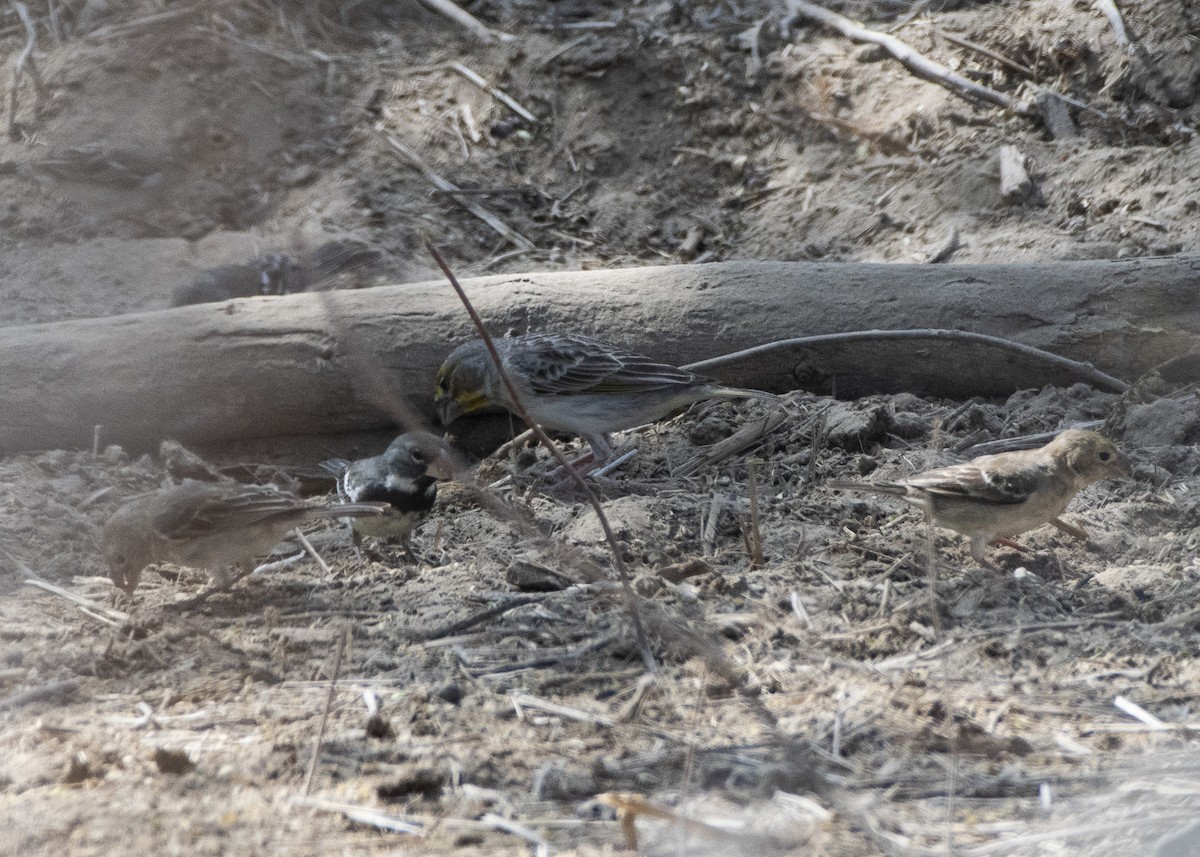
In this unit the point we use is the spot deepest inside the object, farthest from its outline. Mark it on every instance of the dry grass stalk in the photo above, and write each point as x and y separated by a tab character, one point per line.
756	553
25	63
745	437
496	93
441	183
91	608
299	534
521	701
468	21
572	474
343	642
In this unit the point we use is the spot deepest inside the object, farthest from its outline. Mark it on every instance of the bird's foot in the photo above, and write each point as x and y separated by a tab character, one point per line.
1071	529
222	582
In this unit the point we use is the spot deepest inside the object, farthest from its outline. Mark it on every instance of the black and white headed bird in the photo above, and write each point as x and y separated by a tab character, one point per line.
404	476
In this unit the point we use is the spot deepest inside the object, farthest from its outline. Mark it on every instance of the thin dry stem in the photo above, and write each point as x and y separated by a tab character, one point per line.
1084	371
442	183
25	63
343	640
572	474
756	553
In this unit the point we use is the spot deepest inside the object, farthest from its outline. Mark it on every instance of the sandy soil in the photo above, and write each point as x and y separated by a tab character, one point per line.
838	696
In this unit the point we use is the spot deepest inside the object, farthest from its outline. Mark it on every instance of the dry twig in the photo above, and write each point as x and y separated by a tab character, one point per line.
441	183
89	607
920	65
1022	70
945	250
572	474
52	690
743	438
756	553
495	92
468	21
474	619
1084	371
333	680
1110	10
25	63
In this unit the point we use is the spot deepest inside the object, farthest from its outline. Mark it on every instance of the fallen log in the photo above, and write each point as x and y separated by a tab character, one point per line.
335	362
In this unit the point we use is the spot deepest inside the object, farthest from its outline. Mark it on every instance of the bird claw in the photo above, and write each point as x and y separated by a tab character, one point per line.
1071	529
1009	543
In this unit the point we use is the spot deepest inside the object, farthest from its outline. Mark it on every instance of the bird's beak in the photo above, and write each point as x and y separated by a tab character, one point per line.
449	409
1123	466
441	467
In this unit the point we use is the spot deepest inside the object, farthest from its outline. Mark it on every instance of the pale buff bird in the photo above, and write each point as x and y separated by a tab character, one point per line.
996	497
572	383
209	525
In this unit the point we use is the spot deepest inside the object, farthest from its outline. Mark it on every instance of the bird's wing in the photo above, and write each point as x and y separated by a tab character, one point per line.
1004	482
555	364
207	509
362	479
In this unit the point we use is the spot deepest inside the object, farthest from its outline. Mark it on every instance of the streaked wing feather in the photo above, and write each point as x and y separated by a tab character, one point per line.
222	510
556	364
988	485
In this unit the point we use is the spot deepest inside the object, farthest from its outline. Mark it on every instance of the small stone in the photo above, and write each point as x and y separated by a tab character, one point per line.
78	769
170	761
379	727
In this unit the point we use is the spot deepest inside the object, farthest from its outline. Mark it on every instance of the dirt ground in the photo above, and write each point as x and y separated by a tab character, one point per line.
837	696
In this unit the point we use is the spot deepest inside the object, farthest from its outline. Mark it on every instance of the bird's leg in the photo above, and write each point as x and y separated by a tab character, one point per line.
979	550
1009	543
600	454
1070	529
223	581
406	544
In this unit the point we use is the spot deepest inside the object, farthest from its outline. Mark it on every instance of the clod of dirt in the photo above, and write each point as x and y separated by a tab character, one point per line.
170	761
853	426
711	429
78	769
648	530
558	782
421	781
452	693
1166	422
528	576
379	727
181	463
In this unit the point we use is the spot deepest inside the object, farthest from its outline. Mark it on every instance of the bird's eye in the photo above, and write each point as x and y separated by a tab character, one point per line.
418	456
1105	456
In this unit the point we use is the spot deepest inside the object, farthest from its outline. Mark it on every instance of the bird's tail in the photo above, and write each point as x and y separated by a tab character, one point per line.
336	466
349	510
893	488
744	393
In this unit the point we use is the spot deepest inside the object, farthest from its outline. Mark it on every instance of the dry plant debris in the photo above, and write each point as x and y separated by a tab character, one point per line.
1045	708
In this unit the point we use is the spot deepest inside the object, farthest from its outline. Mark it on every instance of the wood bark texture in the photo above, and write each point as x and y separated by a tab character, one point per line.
337	362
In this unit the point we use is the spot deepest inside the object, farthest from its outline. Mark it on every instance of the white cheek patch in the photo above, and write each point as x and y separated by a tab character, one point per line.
401	483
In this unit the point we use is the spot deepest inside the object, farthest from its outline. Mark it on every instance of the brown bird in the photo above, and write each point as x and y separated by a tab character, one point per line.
995	497
211	526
